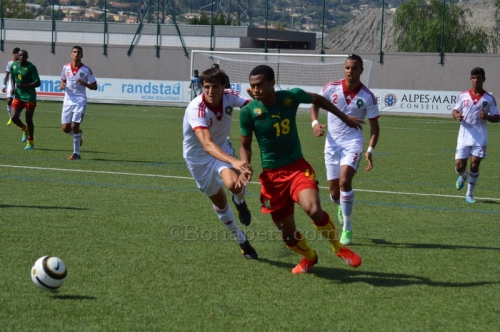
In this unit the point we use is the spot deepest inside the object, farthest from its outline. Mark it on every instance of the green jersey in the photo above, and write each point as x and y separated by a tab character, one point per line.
275	127
25	74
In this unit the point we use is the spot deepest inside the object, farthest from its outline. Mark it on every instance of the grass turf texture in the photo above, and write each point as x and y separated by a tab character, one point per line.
145	251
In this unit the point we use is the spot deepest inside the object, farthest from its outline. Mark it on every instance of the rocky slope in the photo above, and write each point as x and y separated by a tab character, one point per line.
362	34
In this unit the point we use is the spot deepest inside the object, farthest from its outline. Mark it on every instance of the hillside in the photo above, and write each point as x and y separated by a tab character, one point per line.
363	32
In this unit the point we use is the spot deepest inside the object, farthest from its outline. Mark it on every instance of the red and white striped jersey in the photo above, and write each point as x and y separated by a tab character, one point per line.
76	94
360	103
473	131
217	121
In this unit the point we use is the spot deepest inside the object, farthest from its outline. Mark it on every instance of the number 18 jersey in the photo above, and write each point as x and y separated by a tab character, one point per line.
275	127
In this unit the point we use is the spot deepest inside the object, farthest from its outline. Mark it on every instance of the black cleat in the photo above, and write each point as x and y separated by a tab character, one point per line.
248	251
243	213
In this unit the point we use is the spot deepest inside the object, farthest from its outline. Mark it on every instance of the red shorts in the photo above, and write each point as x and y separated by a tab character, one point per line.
281	187
20	105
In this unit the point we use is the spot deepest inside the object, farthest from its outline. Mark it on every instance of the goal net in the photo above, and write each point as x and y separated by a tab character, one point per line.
308	71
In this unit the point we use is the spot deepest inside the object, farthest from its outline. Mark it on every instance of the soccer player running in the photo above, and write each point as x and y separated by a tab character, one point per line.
473	109
24	81
210	157
287	178
7	88
75	79
344	145
195	85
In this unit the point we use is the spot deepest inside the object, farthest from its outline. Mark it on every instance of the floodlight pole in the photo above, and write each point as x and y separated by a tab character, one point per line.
267	16
212	27
382	33
323	29
441	51
105	43
53	43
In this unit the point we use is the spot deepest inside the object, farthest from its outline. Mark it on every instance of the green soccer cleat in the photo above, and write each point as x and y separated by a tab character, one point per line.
340	215
9	122
346	238
24	138
30	145
470	199
460	182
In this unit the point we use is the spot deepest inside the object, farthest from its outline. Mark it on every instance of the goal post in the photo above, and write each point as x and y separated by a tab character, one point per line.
308	71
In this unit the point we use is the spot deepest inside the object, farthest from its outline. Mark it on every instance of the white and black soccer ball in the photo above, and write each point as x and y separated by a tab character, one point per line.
49	273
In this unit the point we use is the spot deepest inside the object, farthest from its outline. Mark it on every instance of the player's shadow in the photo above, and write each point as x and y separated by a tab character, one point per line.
488	202
377	279
41	207
382	242
74	297
70	151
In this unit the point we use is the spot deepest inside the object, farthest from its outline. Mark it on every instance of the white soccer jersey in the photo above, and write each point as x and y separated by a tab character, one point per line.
8	85
76	94
198	115
9	64
473	131
360	103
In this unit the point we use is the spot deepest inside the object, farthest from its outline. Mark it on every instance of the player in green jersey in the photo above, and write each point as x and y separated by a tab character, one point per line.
287	178
24	80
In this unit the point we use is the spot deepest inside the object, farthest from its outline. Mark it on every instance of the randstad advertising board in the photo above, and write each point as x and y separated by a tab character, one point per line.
123	89
112	89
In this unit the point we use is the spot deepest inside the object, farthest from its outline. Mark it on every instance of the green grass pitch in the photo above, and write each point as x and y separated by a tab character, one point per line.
145	251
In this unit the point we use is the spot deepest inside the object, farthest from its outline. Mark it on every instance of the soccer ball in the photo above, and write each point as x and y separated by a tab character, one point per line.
49	273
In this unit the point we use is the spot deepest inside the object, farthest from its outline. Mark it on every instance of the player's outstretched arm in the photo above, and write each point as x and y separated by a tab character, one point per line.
215	151
246	148
318	128
324	103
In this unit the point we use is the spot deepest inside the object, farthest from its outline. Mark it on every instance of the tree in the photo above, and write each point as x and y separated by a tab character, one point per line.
15	9
418	25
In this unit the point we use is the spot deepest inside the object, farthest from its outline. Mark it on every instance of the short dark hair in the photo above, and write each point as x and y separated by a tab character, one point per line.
78	48
195	72
216	65
265	70
16	50
213	75
478	71
357	58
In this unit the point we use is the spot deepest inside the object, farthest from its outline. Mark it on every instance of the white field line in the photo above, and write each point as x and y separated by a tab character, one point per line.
190	178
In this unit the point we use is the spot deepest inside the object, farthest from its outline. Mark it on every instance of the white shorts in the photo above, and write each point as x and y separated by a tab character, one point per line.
464	152
336	157
72	113
208	176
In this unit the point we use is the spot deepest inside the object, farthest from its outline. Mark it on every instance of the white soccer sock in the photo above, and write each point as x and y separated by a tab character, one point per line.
226	216
334	201
463	174
76	143
472	183
9	109
238	198
347	204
